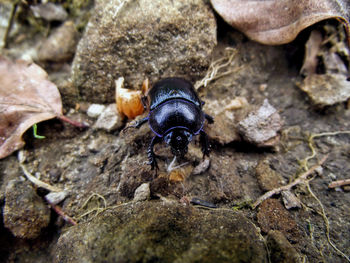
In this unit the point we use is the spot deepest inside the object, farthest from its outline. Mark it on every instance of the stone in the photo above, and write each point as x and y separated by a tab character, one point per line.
326	89
226	113
160	231
280	248
109	119
55	198
273	216
49	11
95	110
290	200
141	39
142	193
60	45
261	126
25	214
268	178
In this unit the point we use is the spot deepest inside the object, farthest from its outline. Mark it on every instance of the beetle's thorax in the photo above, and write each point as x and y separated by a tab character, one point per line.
176	113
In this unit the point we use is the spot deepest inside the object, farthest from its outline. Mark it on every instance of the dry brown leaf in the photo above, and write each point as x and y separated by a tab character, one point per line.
26	97
276	22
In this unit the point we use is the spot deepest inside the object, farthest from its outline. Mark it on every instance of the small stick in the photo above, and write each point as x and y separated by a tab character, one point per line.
72	122
339	183
297	181
10	24
39	183
60	212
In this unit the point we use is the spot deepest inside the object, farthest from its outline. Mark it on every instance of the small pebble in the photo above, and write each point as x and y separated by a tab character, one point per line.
109	119
290	200
261	126
95	110
49	11
142	192
201	167
55	198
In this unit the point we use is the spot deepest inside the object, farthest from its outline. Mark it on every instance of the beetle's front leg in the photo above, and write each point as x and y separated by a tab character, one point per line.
137	124
205	143
209	118
150	153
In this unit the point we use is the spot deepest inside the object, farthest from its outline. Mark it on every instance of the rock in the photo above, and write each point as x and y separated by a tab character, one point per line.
290	200
60	45
261	126
95	110
49	11
25	213
109	119
273	216
139	39
326	89
201	167
162	232
280	248
142	193
55	198
268	179
226	114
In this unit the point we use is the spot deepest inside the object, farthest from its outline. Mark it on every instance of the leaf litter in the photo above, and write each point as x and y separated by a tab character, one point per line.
26	98
278	22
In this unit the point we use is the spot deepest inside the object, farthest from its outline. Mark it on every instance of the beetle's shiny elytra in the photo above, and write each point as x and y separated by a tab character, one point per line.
175	115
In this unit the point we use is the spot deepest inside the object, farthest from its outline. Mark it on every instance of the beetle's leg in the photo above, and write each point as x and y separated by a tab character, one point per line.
150	153
137	124
209	118
205	143
144	102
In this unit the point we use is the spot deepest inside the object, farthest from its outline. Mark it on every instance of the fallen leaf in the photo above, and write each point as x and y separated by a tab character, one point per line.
26	97
276	22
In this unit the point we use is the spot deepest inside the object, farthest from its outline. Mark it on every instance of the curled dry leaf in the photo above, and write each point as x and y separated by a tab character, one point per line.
128	101
277	22
26	97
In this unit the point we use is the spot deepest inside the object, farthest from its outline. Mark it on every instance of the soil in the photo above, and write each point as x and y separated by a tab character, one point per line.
113	164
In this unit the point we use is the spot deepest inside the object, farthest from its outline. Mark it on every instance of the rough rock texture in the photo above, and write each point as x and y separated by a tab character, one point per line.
61	44
25	213
162	232
281	250
261	126
141	38
327	89
109	119
268	179
273	216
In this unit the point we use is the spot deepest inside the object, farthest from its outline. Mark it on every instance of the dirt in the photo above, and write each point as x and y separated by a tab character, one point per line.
113	165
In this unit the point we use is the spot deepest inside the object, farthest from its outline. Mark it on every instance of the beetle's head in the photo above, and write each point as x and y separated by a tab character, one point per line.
178	140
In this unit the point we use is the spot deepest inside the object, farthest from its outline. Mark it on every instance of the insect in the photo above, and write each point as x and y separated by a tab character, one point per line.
175	116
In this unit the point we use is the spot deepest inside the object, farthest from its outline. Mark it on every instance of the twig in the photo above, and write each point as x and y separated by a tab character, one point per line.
10	24
339	183
72	122
301	179
60	212
37	182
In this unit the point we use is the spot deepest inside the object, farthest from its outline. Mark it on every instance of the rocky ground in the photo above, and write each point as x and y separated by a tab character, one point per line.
265	130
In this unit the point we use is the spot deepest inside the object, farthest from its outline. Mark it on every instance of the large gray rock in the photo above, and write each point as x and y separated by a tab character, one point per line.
142	38
162	232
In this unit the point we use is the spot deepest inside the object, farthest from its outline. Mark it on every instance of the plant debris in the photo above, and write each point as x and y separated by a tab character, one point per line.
279	21
26	97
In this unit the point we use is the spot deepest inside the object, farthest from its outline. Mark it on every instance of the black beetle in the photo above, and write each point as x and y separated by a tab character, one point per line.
175	115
